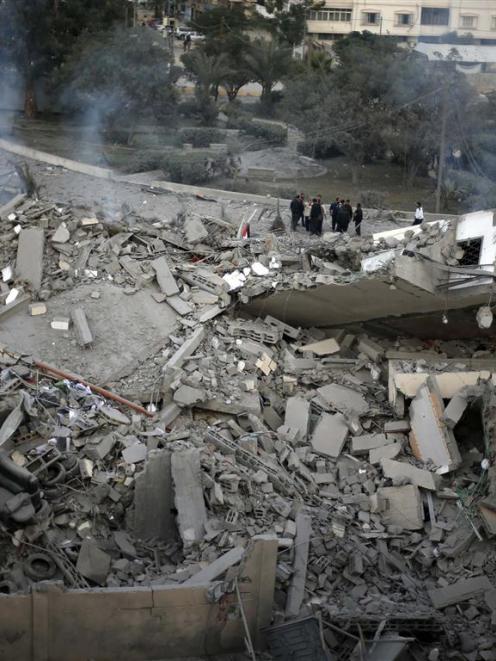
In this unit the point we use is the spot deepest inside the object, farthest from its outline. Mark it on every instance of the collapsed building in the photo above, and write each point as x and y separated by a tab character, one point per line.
210	443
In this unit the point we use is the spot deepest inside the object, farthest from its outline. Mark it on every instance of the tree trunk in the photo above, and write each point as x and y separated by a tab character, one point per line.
355	172
30	105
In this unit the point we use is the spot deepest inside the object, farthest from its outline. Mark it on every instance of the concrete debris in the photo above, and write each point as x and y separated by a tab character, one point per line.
234	424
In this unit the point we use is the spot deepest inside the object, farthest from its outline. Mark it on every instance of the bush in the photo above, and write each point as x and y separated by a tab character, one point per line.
202	136
373	199
187	168
268	134
318	149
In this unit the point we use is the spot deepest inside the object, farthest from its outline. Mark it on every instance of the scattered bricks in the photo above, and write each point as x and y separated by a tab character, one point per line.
322	348
398	470
298	415
385	452
366	442
371	349
288	331
29	263
402	506
60	323
256	331
455	409
36	309
165	279
460	591
83	332
397	426
330	435
430	439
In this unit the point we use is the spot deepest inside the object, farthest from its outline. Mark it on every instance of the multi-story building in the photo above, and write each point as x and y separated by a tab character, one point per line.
407	20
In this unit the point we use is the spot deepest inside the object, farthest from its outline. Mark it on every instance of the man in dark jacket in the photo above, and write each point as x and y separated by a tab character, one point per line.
316	217
343	218
357	219
333	210
296	208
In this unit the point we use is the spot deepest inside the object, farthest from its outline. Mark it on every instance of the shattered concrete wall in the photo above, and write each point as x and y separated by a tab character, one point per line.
53	624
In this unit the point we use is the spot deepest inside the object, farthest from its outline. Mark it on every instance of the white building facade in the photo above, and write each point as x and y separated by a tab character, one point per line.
408	20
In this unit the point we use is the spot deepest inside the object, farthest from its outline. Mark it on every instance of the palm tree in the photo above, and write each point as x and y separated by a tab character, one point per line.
208	70
267	62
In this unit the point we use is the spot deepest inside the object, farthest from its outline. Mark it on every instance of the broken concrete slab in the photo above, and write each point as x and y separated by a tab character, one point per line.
29	264
190	505
402	507
195	230
371	349
455	409
188	396
342	398
430	438
399	470
135	453
396	426
217	567
61	235
154	499
186	350
366	442
92	562
330	434
449	383
83	332
390	451
460	591
179	305
165	279
322	348
296	591
298	415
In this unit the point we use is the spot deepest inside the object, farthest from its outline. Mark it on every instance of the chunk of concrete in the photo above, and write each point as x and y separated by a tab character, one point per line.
322	348
195	230
92	562
187	349
296	591
402	507
371	349
460	591
398	470
179	305
343	399
390	451
217	567
83	332
366	442
153	498
60	323
29	263
298	415
188	396
62	234
430	438
135	453
330	434
455	409
396	426
36	309
165	279
190	505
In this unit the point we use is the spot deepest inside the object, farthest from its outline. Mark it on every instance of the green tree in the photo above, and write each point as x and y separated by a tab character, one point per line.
268	63
120	77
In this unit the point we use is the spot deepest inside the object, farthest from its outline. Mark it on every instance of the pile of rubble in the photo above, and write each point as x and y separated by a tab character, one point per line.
372	461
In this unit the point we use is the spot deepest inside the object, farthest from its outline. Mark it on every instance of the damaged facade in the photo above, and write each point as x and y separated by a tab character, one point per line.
245	433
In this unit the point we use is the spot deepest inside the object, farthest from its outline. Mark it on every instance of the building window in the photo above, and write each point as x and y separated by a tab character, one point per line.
434	16
468	21
371	18
471	252
404	19
340	15
493	22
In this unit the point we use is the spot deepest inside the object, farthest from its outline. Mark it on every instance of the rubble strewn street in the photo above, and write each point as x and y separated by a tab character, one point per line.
154	452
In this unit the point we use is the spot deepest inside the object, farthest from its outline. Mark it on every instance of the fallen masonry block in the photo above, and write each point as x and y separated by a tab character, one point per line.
36	309
83	332
296	591
289	331
179	305
217	567
390	451
455	409
190	505
62	234
365	442
342	398
256	331
92	562
330	434
195	230
249	402
298	415
293	364
188	396
29	263
430	438
205	279
460	591
187	349
449	383
153	498
165	279
371	349
60	323
398	470
396	426
322	348
402	507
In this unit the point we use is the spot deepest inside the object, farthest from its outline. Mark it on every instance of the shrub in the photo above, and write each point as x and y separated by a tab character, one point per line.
202	136
373	199
268	134
318	149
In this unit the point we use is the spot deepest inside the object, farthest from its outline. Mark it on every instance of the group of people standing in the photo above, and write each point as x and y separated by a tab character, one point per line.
311	214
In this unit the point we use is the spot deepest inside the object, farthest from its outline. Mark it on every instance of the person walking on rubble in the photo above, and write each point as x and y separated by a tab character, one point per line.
357	219
316	218
296	208
419	214
333	210
343	218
